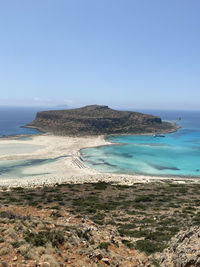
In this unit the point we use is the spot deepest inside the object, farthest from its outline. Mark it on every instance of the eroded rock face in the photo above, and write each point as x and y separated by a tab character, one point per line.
97	120
184	250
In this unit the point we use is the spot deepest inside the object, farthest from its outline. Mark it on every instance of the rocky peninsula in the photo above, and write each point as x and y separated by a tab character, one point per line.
98	120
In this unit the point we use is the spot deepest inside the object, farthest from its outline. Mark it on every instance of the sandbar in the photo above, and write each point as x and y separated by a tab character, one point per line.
69	168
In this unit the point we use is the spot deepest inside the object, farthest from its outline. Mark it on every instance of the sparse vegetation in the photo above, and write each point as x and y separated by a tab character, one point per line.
143	217
41	238
104	245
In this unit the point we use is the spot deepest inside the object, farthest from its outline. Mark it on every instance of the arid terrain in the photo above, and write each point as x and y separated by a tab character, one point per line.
98	224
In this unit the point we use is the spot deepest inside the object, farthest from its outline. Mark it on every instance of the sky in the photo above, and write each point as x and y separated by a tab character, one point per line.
122	53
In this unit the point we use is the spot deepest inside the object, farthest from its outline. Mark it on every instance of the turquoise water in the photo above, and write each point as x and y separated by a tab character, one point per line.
176	154
16	168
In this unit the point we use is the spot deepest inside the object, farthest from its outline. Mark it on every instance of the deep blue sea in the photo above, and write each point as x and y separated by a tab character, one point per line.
176	154
12	118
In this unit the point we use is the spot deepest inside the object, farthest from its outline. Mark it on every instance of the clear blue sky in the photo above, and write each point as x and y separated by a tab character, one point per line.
123	53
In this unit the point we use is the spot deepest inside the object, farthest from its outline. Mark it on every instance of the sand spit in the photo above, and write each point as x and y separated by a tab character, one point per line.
69	168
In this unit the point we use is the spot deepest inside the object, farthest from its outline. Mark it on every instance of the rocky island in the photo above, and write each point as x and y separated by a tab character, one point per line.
98	120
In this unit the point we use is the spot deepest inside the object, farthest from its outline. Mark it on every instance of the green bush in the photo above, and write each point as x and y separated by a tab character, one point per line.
104	245
127	243
148	246
158	236
100	186
147	198
43	237
98	218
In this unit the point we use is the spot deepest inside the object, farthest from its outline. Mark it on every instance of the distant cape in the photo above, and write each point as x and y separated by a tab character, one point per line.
98	120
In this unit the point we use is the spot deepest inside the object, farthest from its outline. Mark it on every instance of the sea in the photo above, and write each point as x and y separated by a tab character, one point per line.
175	154
12	120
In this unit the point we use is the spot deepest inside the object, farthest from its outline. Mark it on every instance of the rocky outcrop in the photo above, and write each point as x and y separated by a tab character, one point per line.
184	250
97	120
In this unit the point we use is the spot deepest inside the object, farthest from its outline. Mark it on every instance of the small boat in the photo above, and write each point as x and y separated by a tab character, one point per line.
158	135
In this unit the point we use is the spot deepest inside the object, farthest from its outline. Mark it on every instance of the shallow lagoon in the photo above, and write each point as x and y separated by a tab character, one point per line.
25	168
175	154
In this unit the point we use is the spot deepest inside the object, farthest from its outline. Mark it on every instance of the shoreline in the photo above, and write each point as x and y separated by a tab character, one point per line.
70	168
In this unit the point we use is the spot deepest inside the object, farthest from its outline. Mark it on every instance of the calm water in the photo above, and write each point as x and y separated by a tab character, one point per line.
12	118
176	154
21	168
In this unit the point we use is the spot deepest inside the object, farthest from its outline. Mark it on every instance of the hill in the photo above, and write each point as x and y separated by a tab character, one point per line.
98	120
101	224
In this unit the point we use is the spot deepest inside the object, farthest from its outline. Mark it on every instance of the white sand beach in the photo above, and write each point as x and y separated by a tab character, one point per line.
68	168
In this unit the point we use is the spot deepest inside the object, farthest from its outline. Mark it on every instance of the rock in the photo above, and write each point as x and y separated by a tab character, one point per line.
36	264
106	261
66	259
15	258
56	214
114	241
184	249
4	264
97	254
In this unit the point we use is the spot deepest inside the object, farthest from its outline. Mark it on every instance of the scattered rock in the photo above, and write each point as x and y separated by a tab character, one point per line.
114	241
99	256
15	258
56	214
106	261
66	259
184	250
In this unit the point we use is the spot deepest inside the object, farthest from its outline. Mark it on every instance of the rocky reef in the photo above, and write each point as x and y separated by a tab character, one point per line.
98	120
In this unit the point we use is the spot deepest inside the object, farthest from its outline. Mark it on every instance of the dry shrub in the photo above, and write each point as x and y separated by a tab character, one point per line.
11	233
50	259
23	249
4	251
41	250
31	255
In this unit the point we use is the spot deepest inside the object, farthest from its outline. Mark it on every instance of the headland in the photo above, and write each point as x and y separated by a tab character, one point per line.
99	120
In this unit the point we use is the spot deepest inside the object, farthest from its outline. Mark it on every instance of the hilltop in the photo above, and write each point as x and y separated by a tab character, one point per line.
98	120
